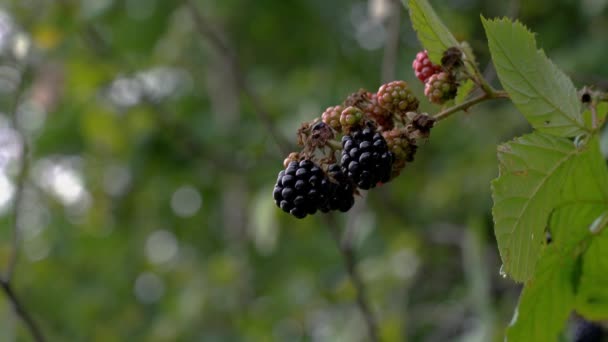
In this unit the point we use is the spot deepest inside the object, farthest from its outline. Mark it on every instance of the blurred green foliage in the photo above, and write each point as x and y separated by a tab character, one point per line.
147	212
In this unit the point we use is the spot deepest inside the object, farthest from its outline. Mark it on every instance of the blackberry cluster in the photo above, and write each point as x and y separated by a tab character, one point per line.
366	158
301	188
586	331
340	192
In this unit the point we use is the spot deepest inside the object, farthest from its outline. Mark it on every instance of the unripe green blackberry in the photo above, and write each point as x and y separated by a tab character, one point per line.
423	67
331	117
440	88
366	158
397	98
301	188
350	117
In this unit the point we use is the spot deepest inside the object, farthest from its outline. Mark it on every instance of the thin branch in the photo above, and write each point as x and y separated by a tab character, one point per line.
469	103
21	311
5	282
350	262
20	182
208	34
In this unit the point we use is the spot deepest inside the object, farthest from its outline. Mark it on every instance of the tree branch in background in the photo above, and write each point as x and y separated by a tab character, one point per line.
348	256
20	182
209	35
6	281
21	311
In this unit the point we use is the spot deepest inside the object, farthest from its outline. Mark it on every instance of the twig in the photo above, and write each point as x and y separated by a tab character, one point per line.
226	52
350	262
469	103
21	175
5	282
21	311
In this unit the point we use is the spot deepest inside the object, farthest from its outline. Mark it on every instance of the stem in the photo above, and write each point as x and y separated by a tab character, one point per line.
21	311
349	259
469	103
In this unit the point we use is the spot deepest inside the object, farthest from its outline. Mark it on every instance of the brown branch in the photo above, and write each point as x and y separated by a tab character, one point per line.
209	34
350	262
21	311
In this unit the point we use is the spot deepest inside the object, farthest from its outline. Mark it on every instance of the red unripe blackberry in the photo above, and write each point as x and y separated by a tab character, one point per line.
341	190
366	158
397	98
301	188
423	67
331	116
440	87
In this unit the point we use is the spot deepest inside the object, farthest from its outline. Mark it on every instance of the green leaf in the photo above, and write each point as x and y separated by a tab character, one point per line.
550	296
592	297
537	174
463	91
432	33
545	302
542	92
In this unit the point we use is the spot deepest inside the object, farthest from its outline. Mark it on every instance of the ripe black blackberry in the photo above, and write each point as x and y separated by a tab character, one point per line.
341	191
586	331
366	158
301	188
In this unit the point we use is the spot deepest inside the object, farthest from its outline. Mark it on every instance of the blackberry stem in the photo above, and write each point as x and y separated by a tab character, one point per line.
334	145
499	94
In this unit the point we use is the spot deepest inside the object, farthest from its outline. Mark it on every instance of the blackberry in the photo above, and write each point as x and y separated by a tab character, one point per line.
397	98
366	158
341	191
380	115
350	117
440	87
401	146
423	67
331	116
586	331
301	188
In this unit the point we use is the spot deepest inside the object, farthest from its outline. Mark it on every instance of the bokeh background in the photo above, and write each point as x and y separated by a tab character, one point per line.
151	150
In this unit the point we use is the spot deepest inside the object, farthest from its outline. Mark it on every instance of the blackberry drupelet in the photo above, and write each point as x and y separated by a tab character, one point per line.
366	158
301	188
341	191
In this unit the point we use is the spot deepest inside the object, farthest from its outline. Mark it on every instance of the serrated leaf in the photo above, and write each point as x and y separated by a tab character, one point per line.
463	91
549	297
538	173
545	302
592	296
542	92
432	33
